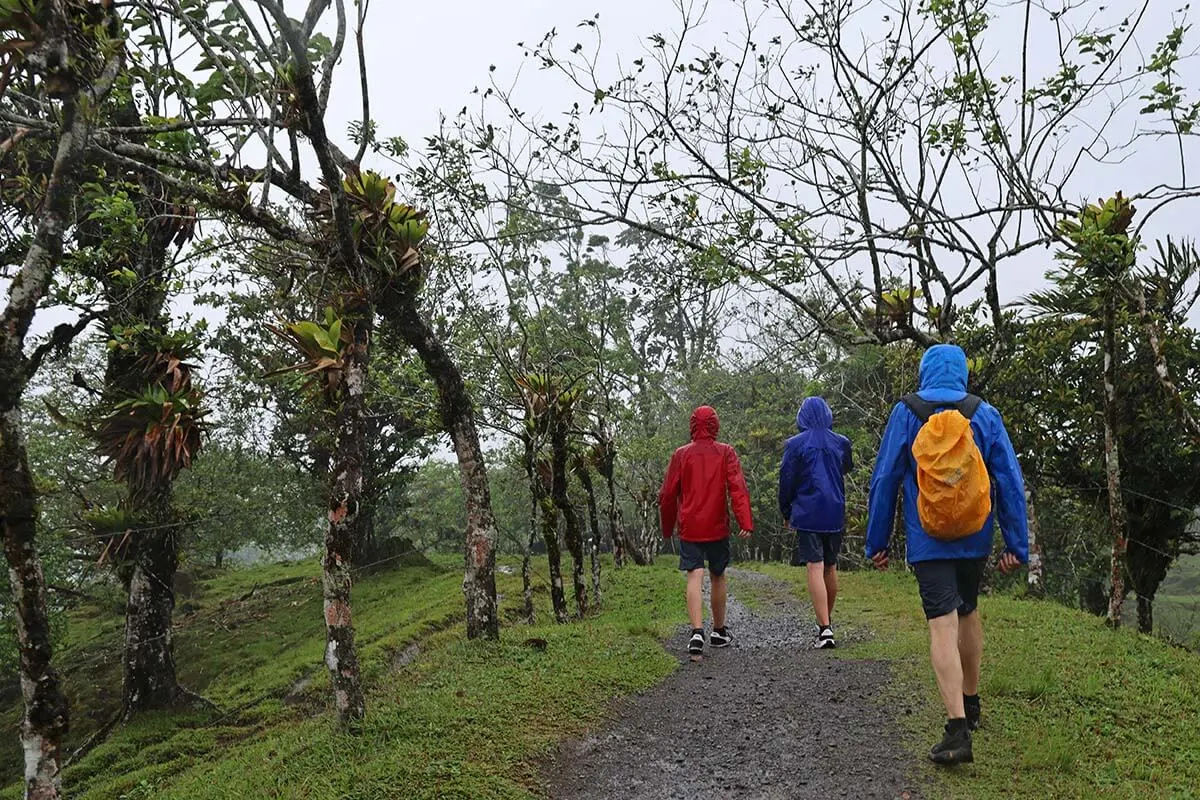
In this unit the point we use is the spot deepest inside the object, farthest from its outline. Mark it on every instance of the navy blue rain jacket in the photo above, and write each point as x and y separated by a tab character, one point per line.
944	380
812	477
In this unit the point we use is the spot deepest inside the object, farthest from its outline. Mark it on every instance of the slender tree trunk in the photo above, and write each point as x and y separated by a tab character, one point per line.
589	489
345	519
150	679
457	411
1036	581
558	597
527	559
1118	523
45	721
1145	613
607	468
559	490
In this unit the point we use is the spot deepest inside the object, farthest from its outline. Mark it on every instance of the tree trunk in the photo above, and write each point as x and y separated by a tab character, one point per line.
150	680
1036	581
1118	524
46	718
1145	612
457	411
616	532
589	488
45	721
1092	598
559	490
527	558
346	518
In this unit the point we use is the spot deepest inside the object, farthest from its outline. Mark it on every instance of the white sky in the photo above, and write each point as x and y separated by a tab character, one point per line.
425	58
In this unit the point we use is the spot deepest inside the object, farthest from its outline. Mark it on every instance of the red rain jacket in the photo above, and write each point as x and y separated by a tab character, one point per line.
700	476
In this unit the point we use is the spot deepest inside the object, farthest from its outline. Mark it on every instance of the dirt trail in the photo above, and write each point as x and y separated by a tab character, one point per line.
766	718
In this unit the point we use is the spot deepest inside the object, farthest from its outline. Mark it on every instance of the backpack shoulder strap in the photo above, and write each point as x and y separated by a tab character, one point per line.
969	405
919	406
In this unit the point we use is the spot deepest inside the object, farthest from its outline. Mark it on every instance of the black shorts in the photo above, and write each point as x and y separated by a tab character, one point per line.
692	555
949	584
813	548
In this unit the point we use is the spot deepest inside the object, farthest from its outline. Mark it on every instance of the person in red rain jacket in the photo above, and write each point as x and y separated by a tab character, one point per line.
699	479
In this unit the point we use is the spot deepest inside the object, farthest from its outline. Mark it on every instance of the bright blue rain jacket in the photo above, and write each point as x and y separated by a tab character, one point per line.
812	486
944	380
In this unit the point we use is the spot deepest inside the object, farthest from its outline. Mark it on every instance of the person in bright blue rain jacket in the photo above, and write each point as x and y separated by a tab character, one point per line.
812	498
948	572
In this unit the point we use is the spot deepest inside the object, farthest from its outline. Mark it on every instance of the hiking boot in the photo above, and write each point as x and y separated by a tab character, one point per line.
974	711
720	637
825	638
696	643
955	746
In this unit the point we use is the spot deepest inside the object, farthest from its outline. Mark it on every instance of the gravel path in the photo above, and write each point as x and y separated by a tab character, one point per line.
766	718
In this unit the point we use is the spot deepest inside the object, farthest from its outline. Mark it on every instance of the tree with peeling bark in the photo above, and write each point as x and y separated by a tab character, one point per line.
1100	258
67	56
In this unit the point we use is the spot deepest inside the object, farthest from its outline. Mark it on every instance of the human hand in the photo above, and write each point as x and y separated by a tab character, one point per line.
744	534
1008	563
880	559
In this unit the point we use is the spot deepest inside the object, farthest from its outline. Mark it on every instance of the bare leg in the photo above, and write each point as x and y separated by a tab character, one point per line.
719	592
947	664
970	650
695	599
831	586
817	593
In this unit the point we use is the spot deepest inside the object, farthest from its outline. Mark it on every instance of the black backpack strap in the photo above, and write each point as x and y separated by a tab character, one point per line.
919	406
969	405
925	409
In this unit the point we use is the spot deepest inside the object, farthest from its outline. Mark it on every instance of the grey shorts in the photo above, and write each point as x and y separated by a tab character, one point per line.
692	555
814	548
949	584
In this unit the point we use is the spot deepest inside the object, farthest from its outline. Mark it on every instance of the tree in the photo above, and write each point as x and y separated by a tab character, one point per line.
827	152
71	54
1101	256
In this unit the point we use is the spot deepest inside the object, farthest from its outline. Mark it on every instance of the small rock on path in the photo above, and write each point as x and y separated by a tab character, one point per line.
767	718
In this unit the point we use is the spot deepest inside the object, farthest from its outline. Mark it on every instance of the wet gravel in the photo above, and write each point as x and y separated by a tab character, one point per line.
766	718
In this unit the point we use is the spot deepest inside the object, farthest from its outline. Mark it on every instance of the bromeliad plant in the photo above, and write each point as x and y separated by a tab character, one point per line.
153	434
323	346
386	232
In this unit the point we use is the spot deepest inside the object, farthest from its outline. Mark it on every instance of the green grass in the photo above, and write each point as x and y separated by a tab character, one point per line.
454	720
1072	709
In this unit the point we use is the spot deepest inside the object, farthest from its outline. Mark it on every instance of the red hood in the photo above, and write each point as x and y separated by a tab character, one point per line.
705	423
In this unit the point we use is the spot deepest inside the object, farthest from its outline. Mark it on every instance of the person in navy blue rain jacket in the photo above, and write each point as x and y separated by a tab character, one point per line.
948	572
812	498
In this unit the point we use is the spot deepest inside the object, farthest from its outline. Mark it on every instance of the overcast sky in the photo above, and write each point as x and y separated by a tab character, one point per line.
425	58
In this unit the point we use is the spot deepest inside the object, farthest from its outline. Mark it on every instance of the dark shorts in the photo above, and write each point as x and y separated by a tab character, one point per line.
949	585
813	548
692	555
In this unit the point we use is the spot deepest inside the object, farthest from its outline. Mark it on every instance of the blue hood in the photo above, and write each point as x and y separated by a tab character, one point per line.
943	373
814	414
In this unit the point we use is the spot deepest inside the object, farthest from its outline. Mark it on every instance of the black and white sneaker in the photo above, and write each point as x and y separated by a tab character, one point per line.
696	643
974	711
720	637
825	638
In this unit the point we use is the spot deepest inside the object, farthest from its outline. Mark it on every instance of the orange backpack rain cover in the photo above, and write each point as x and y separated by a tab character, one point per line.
954	492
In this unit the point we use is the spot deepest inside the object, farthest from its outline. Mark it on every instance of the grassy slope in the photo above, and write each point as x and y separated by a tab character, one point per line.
1073	710
454	720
